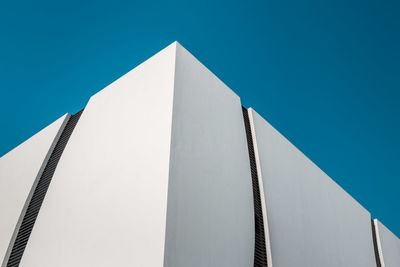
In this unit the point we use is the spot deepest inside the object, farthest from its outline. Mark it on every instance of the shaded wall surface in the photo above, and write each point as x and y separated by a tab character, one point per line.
389	245
312	221
210	202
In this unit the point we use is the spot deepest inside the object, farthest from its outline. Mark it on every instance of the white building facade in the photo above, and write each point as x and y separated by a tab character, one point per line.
164	167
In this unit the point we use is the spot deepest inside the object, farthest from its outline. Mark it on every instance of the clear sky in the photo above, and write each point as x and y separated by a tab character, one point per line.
324	73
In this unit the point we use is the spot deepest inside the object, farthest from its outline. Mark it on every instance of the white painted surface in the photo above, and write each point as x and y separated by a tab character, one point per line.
210	199
312	221
127	192
389	246
107	202
19	170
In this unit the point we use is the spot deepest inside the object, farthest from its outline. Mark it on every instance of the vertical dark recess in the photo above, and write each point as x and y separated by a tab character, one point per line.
378	261
260	251
39	193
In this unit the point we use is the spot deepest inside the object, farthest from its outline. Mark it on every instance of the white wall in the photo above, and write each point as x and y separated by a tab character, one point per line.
128	193
312	221
107	202
156	173
389	245
210	199
19	172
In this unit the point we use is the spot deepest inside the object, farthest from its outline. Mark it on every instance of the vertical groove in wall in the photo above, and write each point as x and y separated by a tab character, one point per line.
375	240
260	251
39	193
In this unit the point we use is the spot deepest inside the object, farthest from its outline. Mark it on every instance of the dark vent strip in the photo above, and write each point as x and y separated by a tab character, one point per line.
39	193
260	251
374	238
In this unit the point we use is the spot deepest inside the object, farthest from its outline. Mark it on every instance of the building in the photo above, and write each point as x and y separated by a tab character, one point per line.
164	167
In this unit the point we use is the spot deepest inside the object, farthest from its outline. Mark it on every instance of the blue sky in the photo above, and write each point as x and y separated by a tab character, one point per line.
324	73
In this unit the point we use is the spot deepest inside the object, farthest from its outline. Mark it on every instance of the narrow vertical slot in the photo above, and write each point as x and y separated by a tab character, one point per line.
260	251
377	246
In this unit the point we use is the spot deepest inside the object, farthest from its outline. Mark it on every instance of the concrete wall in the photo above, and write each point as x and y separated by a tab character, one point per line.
389	246
122	168
157	173
210	200
107	202
19	172
312	221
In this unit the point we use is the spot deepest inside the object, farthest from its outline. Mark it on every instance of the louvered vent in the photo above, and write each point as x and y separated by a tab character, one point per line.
38	195
377	258
260	253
